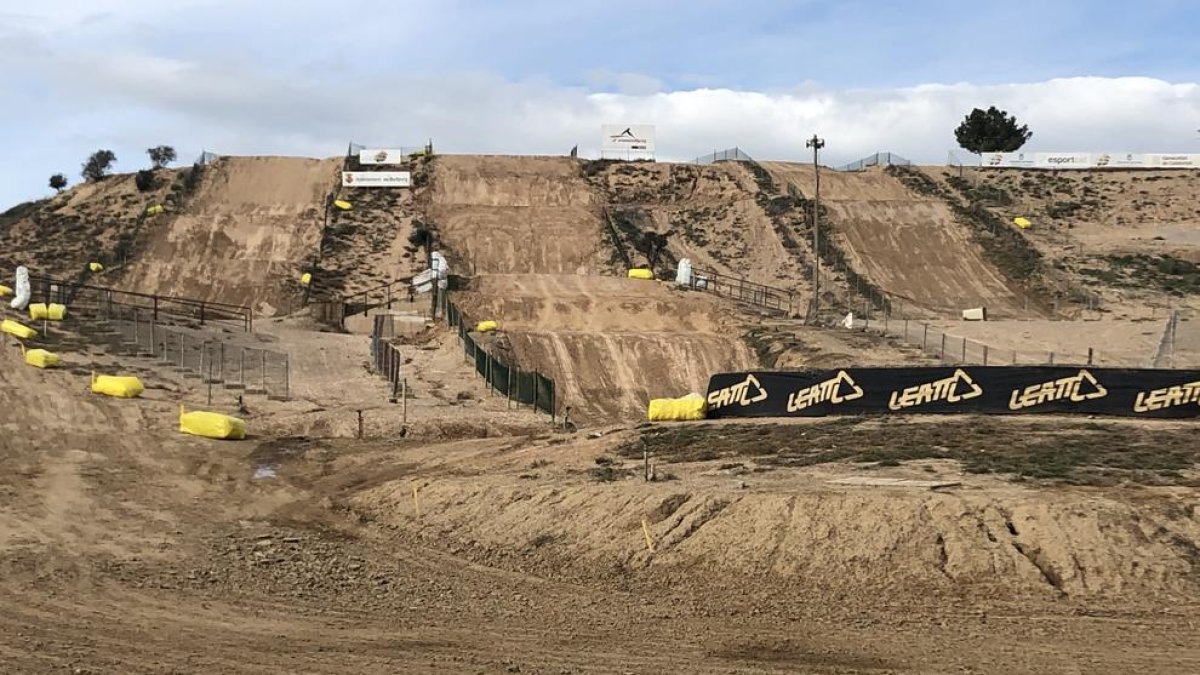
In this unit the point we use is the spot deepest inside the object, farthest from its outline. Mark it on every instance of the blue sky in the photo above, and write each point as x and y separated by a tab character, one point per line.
536	76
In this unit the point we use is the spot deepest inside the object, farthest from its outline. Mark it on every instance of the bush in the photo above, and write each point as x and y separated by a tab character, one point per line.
145	180
161	156
58	182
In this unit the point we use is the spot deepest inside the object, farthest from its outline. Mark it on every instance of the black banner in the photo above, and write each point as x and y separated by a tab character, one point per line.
966	389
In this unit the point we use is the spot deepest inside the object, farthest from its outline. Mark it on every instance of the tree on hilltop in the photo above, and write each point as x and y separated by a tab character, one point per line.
98	165
991	130
161	156
58	182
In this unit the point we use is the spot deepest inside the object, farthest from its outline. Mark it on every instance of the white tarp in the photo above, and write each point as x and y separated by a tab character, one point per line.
1100	160
439	270
375	179
627	141
683	276
382	156
22	292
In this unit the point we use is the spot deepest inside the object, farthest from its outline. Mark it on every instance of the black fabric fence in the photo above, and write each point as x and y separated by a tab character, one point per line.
969	389
523	387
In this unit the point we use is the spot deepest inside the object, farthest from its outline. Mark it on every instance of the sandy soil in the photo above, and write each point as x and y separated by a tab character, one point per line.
501	215
909	245
246	234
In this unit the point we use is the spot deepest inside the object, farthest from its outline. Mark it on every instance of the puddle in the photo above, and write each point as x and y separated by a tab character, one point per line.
266	471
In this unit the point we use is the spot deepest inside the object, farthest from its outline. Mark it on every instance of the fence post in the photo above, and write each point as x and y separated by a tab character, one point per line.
508	397
202	314
221	371
242	367
925	339
287	376
203	351
1051	358
264	372
964	351
182	361
906	330
1090	354
943	356
156	308
985	354
137	344
1014	357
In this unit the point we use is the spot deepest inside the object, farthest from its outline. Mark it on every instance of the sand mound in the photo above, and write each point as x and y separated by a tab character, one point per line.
248	230
500	215
908	245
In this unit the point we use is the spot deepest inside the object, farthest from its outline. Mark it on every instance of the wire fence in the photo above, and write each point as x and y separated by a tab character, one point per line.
517	385
100	301
877	159
936	342
386	357
729	155
213	358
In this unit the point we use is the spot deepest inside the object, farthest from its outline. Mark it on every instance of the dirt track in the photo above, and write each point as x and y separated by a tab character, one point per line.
909	245
245	236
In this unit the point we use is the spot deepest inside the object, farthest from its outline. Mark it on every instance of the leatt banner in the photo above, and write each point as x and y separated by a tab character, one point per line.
967	389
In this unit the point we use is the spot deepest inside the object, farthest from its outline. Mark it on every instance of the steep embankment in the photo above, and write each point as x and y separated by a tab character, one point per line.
610	344
58	236
247	232
502	215
911	246
712	214
1130	236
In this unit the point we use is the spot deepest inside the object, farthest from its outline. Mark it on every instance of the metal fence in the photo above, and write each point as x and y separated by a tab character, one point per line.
741	290
212	357
877	159
956	349
729	155
386	357
520	386
100	301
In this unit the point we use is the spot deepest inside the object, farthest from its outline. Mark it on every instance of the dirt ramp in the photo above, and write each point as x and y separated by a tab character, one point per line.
499	215
592	304
910	246
613	375
246	233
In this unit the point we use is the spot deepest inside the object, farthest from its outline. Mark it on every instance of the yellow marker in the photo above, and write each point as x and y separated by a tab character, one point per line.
646	531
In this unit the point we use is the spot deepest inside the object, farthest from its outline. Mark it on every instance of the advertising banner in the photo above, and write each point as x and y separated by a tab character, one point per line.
627	140
946	390
1103	160
382	156
364	179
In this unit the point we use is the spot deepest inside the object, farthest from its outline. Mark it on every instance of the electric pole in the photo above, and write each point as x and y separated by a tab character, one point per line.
816	144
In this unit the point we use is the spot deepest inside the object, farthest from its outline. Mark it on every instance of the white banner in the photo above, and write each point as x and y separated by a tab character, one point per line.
392	179
627	140
382	156
1103	160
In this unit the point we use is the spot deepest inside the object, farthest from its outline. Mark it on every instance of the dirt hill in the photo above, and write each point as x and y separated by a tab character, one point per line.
911	246
247	233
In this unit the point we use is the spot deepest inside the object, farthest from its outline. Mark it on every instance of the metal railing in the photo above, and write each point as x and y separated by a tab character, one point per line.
741	290
213	357
877	159
728	155
163	308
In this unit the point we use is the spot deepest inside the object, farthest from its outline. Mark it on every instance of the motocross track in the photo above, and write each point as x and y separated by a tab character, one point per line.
126	548
611	344
246	233
907	244
528	225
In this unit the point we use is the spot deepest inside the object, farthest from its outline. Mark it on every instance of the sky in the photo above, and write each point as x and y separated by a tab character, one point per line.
300	77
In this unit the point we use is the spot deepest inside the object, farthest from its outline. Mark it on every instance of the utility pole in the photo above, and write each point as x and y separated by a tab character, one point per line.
816	144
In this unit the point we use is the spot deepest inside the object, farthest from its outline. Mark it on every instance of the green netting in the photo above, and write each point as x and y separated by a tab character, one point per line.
481	363
545	393
499	377
525	386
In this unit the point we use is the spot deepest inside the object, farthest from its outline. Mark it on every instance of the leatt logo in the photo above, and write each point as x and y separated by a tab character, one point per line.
957	387
743	394
1169	397
1076	388
836	390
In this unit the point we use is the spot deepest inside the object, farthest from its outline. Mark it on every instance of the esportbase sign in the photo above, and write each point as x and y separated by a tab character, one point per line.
1103	160
631	139
968	389
394	179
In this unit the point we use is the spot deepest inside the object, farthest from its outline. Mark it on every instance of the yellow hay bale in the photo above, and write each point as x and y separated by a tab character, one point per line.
1023	223
486	326
343	204
641	273
53	311
689	408
40	358
17	329
155	210
117	386
5	291
211	425
305	279
95	267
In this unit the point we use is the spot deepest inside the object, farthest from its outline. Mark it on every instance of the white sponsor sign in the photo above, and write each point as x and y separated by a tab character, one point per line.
394	179
627	140
382	156
1103	160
